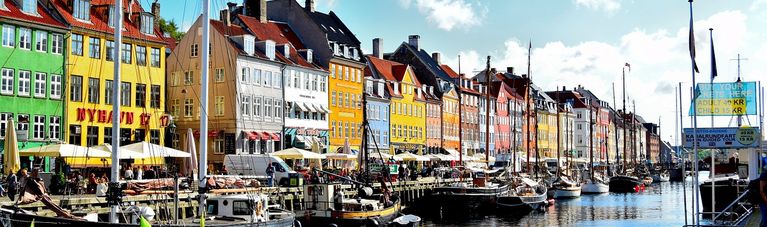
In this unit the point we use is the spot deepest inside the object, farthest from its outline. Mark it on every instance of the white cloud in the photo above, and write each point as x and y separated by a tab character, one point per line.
758	4
469	62
608	6
449	14
659	60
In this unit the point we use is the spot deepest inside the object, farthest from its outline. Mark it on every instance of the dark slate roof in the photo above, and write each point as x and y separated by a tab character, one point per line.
335	29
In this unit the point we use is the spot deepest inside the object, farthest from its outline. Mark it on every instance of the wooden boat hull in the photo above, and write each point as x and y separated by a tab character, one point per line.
457	202
352	218
519	205
9	218
623	184
568	192
594	188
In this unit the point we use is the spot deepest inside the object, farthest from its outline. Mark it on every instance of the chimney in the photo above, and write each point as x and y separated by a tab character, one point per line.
510	70
231	6
413	41
564	88
156	13
436	57
309	5
255	8
225	18
377	46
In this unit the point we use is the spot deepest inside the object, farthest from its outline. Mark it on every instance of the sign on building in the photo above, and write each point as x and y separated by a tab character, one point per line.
722	138
725	99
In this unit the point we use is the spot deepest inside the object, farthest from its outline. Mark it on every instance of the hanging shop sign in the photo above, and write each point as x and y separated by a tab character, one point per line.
722	138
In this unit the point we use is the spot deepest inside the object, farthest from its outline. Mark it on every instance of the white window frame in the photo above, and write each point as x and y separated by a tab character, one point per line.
7	82
57	43
38	127
188	77
267	109
194	50
276	80
278	109
267	78
323	83
40	85
9	35
4	123
41	41
245	105
219	74
219	106
54	127
256	74
25	38
188	107
24	85
257	110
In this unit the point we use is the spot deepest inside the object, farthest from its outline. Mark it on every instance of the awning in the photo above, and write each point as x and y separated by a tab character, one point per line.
301	106
272	136
265	136
317	108
325	109
309	107
253	135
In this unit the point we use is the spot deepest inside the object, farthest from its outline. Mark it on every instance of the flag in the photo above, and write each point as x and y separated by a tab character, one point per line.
628	65
713	57
692	42
143	222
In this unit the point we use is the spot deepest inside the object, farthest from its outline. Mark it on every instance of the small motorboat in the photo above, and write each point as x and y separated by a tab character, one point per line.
564	188
594	187
523	199
661	177
408	220
624	183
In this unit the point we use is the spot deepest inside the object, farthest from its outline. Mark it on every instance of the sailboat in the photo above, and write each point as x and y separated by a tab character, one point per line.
217	210
624	182
527	196
467	199
594	184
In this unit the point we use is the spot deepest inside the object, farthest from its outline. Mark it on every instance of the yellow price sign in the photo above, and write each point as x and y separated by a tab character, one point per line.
733	106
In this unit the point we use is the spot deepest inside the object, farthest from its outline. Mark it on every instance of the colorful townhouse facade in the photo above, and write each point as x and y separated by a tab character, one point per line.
89	73
377	97
450	114
335	48
32	76
469	117
503	110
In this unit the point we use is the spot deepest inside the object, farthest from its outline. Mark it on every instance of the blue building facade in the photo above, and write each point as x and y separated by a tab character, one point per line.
377	114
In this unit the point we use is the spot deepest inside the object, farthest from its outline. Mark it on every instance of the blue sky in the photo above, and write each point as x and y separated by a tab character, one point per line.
575	42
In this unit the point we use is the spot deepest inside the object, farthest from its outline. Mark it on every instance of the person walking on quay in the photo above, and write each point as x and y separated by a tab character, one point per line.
128	173
401	172
13	185
763	196
270	175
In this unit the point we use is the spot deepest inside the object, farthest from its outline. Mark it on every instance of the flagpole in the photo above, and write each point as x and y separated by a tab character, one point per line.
711	97
679	147
116	98
694	68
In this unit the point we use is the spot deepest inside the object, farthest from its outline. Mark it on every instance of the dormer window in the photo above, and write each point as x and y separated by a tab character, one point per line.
147	23
269	49
28	6
81	9
111	16
248	43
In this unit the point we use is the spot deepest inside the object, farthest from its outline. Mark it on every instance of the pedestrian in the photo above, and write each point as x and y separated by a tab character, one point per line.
13	185
401	172
128	173
270	175
92	181
140	174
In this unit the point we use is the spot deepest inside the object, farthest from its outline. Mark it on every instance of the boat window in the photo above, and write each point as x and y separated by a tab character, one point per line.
212	207
240	208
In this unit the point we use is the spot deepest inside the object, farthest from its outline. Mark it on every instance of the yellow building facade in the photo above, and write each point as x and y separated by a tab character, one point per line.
89	74
345	87
407	116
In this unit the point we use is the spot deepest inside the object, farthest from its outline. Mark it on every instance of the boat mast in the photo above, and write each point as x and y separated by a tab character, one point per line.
487	113
460	115
591	141
615	123
623	119
558	140
114	183
513	135
204	105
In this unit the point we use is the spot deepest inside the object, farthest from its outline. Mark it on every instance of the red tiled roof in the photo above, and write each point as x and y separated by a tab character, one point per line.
385	68
278	33
43	17
98	22
449	71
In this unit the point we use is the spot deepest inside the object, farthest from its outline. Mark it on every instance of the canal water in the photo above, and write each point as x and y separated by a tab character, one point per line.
661	204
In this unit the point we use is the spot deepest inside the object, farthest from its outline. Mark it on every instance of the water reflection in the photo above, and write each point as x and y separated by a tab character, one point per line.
661	204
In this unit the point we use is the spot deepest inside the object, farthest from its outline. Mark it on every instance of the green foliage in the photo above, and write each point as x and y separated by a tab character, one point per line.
171	28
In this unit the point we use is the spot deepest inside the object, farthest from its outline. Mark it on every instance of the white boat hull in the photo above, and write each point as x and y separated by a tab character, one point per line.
594	188
570	192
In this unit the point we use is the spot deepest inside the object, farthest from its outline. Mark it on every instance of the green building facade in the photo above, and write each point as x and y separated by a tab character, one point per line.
32	69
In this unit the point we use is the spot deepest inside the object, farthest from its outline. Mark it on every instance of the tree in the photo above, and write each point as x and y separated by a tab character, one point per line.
171	28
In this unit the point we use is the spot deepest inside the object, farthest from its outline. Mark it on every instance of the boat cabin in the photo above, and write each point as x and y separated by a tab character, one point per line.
239	206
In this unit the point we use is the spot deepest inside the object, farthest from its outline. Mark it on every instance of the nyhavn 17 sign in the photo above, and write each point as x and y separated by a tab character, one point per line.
722	138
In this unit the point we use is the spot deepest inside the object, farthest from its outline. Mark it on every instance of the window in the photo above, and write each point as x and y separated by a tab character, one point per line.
6	82
220	75
174	107
25	38
257	106
82	9
110	50
4	123
40	85
314	82
245	105
55	86
296	79
75	135
54	127
194	50
154	136
357	75
9	36
323	83
155	99
267	78
155	58
306	80
219	106
95	48
245	75
333	71
218	146
24	77
75	88
256	76
126	53
333	98
188	107
125	90
41	41
57	43
277	109
108	92
147	23
346	73
268	107
188	77
277	80
108	135
140	55
77	43
140	95
38	127
92	136
93	90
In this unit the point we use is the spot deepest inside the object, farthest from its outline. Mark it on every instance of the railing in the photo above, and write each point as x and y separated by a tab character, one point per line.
734	214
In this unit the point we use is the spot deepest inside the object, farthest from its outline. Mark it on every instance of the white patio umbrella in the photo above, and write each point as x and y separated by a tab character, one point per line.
154	150
295	153
190	146
64	150
407	156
